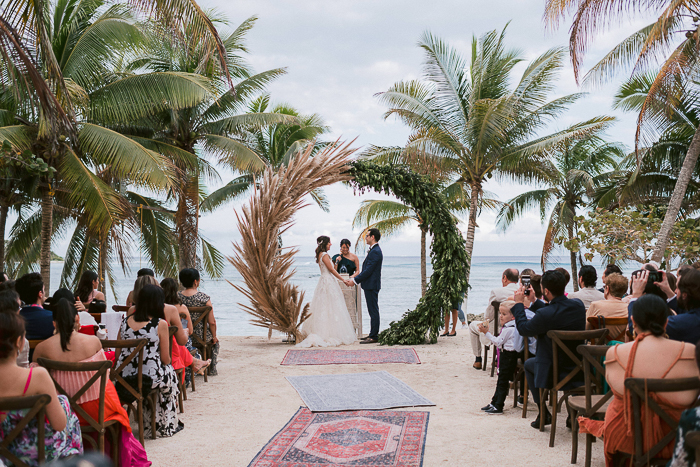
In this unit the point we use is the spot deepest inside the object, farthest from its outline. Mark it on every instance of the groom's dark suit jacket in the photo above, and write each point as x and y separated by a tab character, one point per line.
371	276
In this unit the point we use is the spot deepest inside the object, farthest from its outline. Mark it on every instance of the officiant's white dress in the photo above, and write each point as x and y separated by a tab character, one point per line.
329	324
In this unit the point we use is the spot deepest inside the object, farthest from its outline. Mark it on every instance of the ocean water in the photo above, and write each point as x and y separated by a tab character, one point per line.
400	287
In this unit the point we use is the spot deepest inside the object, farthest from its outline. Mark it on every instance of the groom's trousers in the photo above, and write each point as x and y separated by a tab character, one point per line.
372	300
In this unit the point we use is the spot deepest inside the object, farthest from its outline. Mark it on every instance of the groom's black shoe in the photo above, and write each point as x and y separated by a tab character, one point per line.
369	340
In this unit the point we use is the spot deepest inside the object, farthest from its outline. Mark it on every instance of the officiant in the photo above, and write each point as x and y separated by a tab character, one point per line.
346	262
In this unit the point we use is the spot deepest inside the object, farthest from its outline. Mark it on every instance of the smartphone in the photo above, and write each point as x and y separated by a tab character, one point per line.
525	281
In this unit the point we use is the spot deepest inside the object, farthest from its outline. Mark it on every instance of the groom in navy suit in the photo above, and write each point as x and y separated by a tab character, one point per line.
370	279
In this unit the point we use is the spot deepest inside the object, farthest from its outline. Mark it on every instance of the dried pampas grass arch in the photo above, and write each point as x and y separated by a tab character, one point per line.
266	268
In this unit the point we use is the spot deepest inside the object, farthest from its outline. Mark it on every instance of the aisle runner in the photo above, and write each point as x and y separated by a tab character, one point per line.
365	438
376	390
336	357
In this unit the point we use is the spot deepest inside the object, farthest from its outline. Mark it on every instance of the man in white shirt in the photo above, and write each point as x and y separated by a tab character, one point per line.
587	278
509	281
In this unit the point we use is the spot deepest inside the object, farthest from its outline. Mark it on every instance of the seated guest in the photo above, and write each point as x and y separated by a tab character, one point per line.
10	303
62	429
38	321
131	298
192	297
171	314
683	454
587	277
7	285
613	306
609	269
509	284
510	346
562	314
70	346
87	289
566	274
346	262
651	355
185	355
536	283
3	277
148	322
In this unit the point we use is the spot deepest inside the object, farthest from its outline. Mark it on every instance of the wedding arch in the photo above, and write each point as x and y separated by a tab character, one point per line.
276	304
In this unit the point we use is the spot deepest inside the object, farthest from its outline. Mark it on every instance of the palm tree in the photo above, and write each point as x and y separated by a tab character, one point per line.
677	24
467	122
391	217
207	127
579	167
31	66
85	40
275	145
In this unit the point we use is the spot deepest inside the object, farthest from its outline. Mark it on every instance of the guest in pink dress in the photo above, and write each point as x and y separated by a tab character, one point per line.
68	345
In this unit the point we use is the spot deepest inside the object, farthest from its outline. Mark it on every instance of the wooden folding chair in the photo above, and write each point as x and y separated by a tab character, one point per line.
601	322
200	314
99	426
137	350
559	339
639	389
496	305
520	374
36	406
178	372
120	308
692	441
594	402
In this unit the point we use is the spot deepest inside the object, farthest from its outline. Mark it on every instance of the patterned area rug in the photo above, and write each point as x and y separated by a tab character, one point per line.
365	438
339	357
376	390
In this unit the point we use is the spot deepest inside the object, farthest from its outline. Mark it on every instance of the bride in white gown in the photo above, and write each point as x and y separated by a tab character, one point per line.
329	324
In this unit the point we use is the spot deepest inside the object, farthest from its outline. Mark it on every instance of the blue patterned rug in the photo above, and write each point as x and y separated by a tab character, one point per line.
355	391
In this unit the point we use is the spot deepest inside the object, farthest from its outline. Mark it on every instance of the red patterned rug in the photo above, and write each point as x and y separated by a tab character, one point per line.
377	438
338	357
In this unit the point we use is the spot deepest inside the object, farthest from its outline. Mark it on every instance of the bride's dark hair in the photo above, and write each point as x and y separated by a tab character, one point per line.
321	245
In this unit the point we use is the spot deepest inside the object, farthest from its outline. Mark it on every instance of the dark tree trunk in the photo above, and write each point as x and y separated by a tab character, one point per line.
46	233
187	225
3	224
423	262
471	228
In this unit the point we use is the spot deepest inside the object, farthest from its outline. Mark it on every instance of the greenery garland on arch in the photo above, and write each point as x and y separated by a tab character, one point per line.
447	250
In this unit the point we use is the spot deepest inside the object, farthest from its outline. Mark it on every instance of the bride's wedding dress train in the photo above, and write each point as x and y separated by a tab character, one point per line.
330	324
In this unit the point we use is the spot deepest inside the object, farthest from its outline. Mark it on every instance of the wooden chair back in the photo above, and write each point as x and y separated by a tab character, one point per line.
200	314
601	322
692	441
137	350
119	308
97	317
594	376
36	406
34	342
559	339
100	370
639	389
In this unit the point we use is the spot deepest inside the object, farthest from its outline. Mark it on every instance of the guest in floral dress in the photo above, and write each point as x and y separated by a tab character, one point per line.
148	322
62	429
192	297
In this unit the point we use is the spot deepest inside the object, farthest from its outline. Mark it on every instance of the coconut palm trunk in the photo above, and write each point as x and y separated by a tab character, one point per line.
187	224
3	224
674	205
471	228
46	230
574	269
423	261
102	262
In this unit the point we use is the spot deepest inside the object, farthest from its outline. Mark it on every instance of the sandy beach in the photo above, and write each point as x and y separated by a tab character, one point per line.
230	418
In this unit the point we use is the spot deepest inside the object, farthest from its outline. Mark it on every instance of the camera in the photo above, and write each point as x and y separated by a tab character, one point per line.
654	276
525	281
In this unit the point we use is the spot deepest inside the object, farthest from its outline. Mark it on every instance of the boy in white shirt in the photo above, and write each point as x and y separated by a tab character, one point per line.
508	341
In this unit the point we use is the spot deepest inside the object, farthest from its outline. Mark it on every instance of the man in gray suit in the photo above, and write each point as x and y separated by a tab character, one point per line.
509	280
587	277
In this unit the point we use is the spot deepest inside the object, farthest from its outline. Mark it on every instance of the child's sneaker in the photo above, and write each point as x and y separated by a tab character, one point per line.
494	411
488	407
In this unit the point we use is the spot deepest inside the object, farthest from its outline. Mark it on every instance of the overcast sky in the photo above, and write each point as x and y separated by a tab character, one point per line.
339	54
